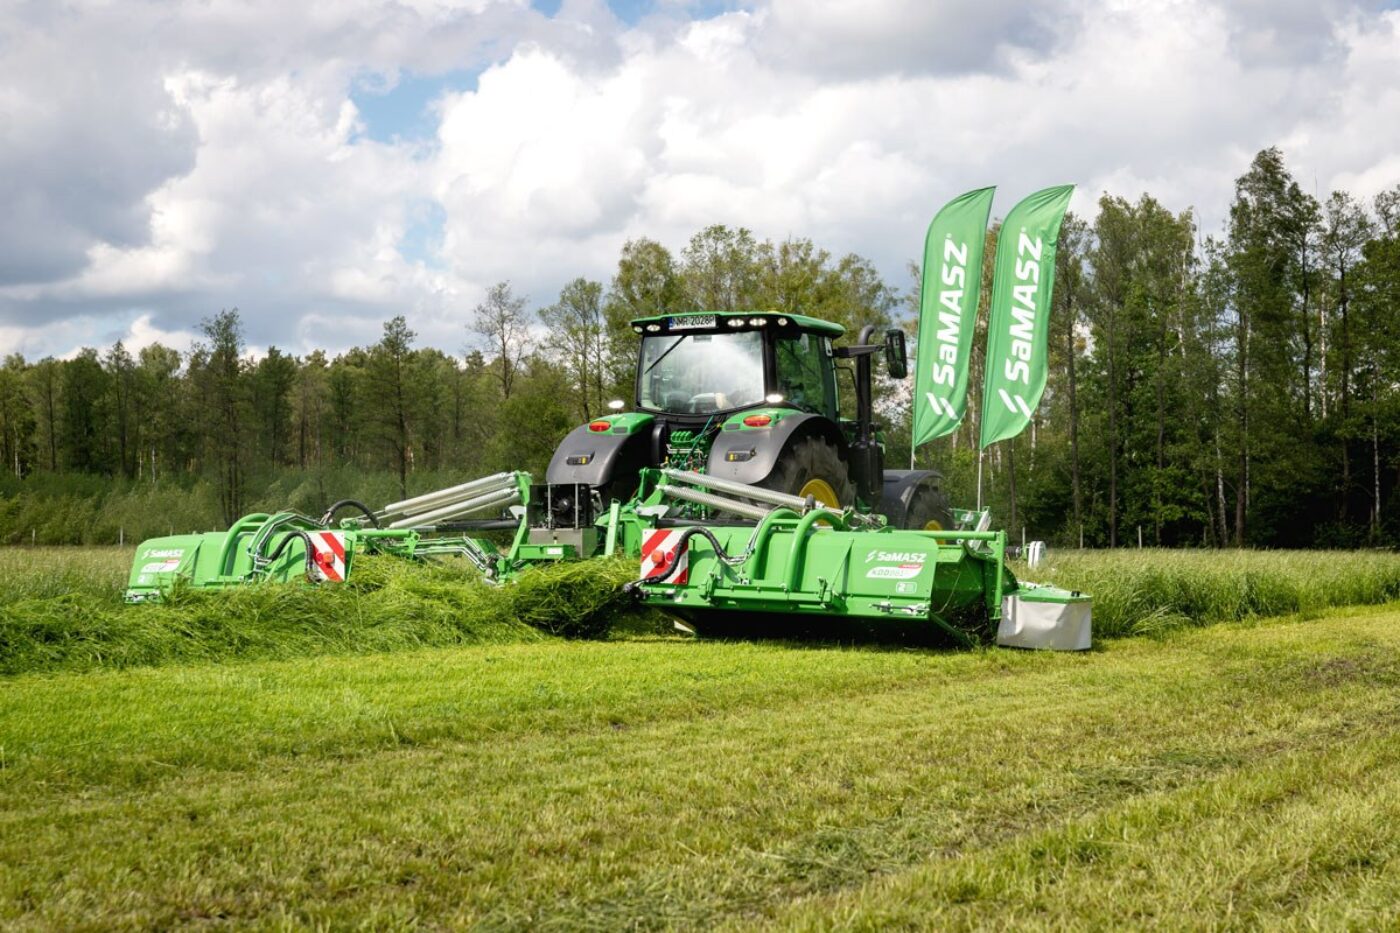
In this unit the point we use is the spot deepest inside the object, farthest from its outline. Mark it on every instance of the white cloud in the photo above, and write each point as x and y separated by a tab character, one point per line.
864	37
215	159
143	332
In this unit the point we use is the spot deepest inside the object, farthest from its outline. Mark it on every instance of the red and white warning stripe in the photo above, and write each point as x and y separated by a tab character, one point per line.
328	554
660	550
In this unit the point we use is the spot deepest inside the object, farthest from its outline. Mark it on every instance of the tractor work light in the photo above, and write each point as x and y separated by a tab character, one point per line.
653	328
616	404
782	322
774	398
736	322
637	329
757	321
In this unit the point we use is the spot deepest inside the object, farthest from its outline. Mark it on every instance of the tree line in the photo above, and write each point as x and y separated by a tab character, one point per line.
1241	388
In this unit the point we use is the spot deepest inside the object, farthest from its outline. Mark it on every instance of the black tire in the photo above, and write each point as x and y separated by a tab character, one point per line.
929	505
620	488
812	458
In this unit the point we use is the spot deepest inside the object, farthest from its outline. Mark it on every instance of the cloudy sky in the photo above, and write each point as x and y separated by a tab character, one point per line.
323	165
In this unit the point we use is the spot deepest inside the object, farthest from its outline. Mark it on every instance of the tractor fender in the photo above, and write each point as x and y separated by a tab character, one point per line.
597	457
748	456
899	489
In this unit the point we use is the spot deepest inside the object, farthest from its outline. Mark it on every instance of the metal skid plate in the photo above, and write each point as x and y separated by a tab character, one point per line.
1045	617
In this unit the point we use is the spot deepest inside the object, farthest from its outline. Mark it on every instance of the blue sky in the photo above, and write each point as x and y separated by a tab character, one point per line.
404	111
402	108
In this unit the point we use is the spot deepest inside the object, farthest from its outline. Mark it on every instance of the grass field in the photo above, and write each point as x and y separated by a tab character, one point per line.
1230	776
1238	775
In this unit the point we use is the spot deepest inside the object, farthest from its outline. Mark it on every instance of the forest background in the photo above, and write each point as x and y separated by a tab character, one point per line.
1234	389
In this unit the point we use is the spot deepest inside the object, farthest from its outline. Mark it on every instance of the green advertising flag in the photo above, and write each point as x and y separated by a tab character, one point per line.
1018	326
951	285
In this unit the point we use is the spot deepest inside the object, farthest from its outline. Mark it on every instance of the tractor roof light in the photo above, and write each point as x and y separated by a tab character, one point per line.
758	421
637	328
653	328
757	321
736	322
599	425
782	322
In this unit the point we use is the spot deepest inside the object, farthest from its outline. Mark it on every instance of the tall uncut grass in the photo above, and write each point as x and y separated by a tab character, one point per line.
1148	591
62	609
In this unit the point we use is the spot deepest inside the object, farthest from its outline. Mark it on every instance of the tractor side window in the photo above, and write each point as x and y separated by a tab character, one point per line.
803	376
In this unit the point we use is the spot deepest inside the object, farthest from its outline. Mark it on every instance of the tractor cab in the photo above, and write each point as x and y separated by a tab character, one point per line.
752	397
698	366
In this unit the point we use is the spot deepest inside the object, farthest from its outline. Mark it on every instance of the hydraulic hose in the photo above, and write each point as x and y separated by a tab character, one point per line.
310	552
633	588
346	503
762	531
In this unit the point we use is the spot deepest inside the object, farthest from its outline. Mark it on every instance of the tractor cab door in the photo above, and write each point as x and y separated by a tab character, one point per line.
804	373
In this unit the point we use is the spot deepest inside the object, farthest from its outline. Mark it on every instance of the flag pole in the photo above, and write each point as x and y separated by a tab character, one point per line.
912	446
979	479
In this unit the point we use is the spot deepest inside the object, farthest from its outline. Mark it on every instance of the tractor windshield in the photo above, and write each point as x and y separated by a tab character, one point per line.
701	373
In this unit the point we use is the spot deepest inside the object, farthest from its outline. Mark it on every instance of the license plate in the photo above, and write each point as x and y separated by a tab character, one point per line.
692	322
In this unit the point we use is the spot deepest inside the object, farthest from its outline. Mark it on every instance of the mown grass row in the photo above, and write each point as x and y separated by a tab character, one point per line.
1150	591
62	610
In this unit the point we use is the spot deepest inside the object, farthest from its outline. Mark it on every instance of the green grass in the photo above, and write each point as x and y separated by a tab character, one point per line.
61	609
1149	591
1235	776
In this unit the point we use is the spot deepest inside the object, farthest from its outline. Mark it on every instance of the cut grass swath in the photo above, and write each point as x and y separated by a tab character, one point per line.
60	608
58	613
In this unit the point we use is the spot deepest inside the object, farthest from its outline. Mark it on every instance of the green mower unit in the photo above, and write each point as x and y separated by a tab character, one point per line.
750	502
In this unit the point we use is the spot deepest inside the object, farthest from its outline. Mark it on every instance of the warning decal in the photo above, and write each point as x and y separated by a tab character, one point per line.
328	555
659	552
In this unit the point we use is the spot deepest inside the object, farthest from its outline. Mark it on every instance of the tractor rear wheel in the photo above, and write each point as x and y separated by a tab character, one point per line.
621	488
813	467
928	510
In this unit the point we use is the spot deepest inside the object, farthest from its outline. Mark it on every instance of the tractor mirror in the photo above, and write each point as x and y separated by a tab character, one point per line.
896	355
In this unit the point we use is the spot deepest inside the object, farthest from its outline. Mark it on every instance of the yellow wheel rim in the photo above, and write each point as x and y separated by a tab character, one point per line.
820	490
933	525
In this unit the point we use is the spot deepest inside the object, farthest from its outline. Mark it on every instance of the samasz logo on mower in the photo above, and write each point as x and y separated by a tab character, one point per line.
895	565
162	560
904	557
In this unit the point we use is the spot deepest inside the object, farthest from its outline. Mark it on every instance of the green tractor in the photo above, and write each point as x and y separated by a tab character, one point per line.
751	504
754	398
